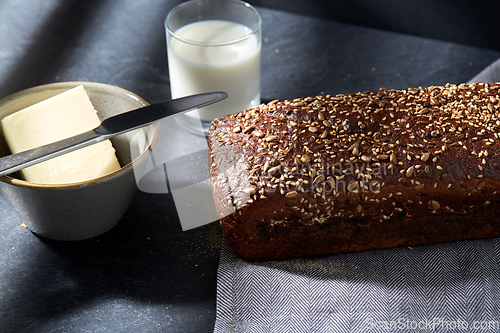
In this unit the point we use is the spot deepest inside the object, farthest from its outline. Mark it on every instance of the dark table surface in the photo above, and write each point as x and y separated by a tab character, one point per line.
146	274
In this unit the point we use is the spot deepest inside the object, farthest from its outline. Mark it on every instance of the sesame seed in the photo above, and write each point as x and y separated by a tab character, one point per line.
274	170
305	158
435	205
330	181
409	171
393	158
425	157
270	138
258	134
365	159
248	129
419	187
250	191
319	179
353	187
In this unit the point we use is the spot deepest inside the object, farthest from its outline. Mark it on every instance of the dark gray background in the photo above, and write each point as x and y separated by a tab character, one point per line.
146	275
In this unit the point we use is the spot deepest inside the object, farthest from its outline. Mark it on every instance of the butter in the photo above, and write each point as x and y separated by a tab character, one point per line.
59	117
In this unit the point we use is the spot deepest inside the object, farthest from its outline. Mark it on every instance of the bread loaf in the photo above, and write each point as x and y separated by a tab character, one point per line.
378	169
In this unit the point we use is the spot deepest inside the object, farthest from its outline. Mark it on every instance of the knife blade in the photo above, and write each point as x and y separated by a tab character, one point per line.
109	127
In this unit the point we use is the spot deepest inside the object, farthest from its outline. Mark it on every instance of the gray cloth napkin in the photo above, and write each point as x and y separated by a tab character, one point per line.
437	288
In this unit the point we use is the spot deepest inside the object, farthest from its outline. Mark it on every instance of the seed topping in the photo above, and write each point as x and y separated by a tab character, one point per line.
392	148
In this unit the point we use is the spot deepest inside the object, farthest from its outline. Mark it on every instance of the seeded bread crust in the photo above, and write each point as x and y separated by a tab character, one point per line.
378	169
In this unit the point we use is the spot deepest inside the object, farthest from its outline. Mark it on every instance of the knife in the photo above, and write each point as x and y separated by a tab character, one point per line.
110	127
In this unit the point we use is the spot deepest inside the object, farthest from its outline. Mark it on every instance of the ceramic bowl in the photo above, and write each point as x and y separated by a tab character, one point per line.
86	209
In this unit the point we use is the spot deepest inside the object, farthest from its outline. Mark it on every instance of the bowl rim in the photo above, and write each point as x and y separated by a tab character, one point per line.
23	183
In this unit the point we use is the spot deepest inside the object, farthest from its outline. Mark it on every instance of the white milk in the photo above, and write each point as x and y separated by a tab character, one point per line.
199	68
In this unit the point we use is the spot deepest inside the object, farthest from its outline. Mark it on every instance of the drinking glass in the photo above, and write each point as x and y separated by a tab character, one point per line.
214	45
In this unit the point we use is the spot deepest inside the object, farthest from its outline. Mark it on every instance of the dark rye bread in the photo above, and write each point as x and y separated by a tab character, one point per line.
372	170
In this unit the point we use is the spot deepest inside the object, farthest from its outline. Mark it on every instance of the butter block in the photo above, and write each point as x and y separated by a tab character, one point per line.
59	117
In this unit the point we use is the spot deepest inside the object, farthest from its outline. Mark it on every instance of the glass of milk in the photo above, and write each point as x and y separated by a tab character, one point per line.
214	45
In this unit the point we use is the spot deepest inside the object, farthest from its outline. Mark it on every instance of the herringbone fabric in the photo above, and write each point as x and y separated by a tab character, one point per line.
439	288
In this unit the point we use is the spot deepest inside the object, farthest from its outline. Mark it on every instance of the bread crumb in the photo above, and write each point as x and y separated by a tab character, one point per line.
24	225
